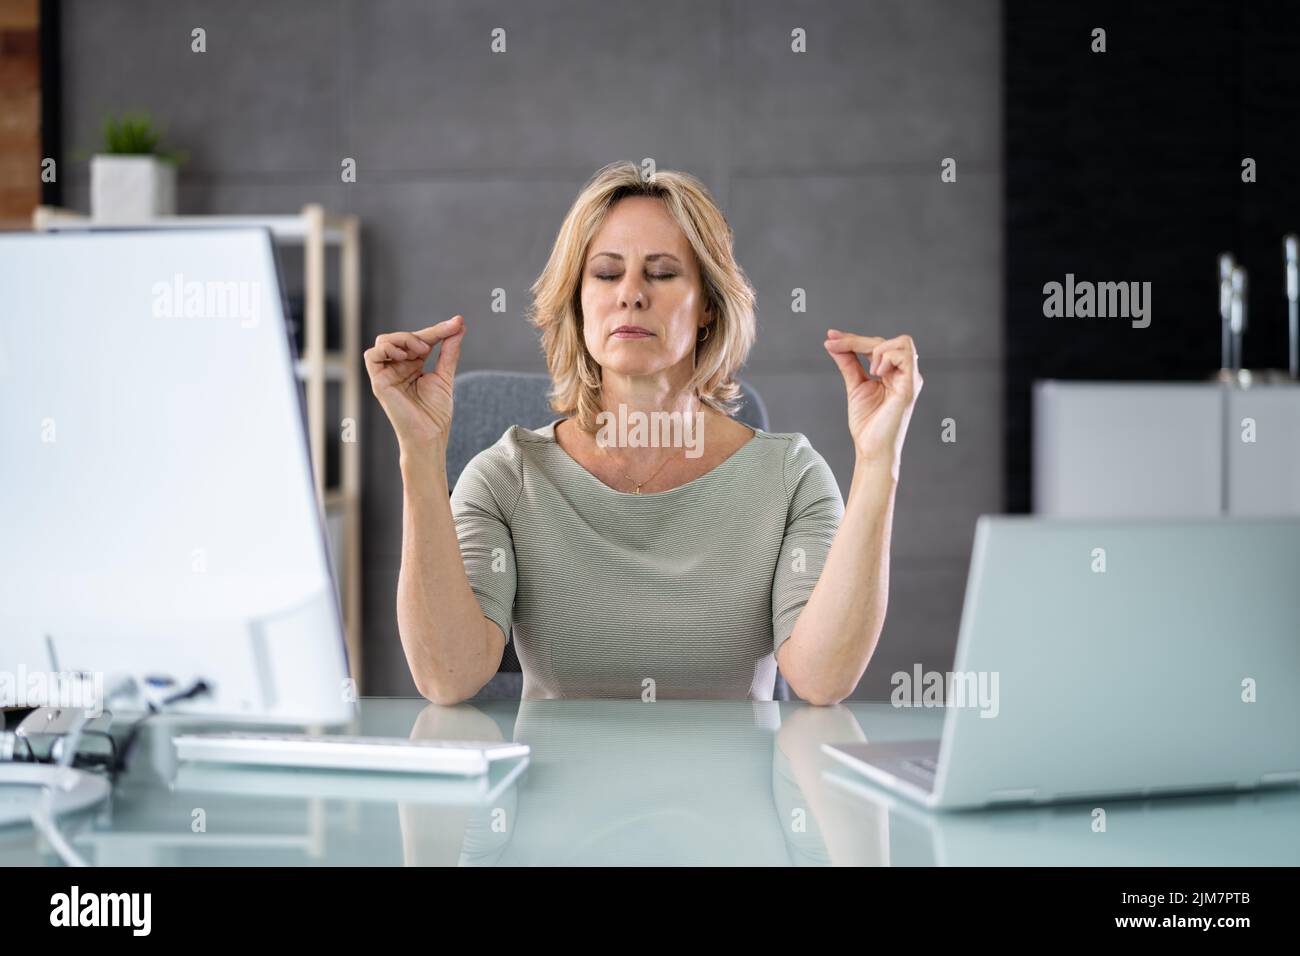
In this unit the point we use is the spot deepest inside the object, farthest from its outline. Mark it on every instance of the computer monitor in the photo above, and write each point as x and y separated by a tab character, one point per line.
160	523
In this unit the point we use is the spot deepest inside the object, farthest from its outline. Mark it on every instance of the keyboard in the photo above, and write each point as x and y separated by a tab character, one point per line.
925	767
309	782
323	752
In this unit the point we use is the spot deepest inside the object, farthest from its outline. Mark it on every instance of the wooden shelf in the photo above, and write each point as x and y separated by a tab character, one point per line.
289	229
336	499
335	367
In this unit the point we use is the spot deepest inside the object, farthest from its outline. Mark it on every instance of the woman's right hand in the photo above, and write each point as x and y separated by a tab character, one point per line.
418	403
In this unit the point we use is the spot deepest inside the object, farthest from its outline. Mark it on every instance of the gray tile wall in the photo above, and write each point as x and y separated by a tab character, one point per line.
826	163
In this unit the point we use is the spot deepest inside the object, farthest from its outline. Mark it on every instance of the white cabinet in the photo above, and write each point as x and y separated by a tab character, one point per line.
1263	445
1156	449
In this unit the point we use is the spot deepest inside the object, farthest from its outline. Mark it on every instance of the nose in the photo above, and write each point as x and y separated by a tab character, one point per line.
631	294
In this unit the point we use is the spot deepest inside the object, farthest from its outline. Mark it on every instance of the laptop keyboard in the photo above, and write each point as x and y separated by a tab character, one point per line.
924	767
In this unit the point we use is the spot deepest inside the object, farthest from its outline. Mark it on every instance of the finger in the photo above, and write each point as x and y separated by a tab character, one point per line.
900	359
850	367
409	341
849	342
898	342
899	372
448	356
377	359
436	333
389	341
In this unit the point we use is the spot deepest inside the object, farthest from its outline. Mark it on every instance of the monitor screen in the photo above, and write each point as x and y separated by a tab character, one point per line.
158	511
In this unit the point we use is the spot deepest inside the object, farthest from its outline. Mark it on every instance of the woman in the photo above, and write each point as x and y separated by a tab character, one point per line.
627	568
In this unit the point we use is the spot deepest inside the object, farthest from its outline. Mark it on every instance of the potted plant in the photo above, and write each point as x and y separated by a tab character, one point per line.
131	180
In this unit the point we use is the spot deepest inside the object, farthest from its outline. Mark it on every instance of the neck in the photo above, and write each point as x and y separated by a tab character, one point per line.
650	419
656	393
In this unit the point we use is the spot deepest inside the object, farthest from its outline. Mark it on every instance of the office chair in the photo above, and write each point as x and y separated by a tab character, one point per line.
489	402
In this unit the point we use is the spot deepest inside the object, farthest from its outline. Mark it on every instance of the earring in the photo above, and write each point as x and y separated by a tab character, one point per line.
705	336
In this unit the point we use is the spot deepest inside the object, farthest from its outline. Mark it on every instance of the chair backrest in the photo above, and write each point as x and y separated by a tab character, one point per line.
489	402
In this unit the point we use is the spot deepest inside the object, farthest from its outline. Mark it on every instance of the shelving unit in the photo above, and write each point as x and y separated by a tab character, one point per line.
315	231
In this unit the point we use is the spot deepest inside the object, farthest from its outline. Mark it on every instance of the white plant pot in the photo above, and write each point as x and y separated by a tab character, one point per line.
131	188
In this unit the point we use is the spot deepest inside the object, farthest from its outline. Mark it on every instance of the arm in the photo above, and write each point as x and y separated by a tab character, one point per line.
838	629
452	648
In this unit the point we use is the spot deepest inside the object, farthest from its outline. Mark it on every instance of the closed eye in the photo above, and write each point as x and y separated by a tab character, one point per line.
653	275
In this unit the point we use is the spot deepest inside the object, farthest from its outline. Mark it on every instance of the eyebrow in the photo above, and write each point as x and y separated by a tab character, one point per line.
650	258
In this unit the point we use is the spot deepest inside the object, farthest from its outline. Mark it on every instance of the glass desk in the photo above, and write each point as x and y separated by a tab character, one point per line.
627	783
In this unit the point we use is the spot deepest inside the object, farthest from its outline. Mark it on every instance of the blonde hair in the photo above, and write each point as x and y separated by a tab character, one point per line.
557	293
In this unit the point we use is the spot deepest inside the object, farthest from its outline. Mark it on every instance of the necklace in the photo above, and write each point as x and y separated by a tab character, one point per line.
639	484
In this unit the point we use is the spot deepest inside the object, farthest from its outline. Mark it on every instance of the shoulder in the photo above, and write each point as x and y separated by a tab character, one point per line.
786	444
506	454
803	470
793	450
496	472
505	458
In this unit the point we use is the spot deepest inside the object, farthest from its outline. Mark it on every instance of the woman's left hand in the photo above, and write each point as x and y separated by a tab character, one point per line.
879	409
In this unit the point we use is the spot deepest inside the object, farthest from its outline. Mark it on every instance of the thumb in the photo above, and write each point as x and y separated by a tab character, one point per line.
449	356
850	368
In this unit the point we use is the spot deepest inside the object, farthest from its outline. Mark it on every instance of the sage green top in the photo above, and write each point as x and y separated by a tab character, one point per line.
684	593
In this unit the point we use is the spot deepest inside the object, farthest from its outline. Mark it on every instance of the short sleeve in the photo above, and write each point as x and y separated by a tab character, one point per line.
482	505
814	515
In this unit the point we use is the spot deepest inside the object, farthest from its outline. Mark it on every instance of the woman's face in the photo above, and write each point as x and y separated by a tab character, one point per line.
642	294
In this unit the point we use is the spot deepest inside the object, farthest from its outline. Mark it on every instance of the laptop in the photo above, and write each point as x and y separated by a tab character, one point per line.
1240	829
1097	658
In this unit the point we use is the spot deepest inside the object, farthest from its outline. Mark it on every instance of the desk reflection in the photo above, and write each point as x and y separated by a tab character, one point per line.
670	782
712	782
625	782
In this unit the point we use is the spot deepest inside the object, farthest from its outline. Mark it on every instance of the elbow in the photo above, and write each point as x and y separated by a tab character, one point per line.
823	699
819	696
821	693
821	687
450	683
438	692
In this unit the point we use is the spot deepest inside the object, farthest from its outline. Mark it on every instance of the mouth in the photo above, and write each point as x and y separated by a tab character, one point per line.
631	332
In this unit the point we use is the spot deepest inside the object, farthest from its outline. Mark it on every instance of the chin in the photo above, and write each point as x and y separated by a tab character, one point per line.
624	367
